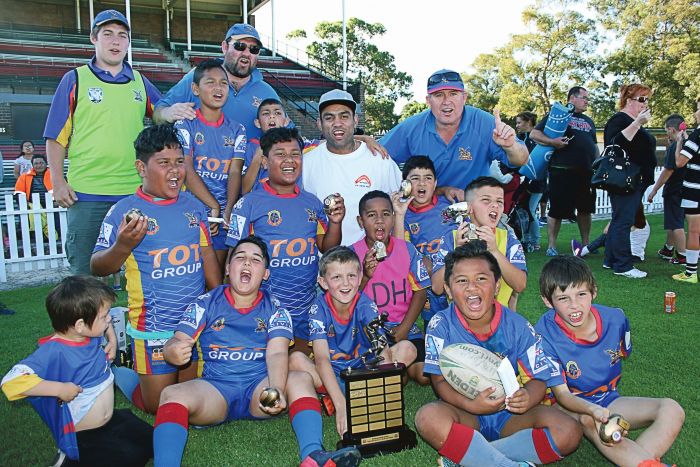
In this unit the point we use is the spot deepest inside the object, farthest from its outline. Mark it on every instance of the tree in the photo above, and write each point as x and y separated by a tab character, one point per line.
412	108
373	68
660	48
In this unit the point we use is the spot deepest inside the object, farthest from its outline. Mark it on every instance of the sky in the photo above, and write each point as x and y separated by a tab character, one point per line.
422	39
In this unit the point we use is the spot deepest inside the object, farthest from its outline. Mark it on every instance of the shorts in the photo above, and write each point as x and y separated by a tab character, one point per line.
125	440
149	359
84	220
570	192
606	399
415	337
218	242
300	323
492	424
690	208
674	216
420	350
237	395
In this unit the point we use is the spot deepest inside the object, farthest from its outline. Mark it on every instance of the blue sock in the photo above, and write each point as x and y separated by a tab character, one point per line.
127	381
466	446
531	445
169	434
305	414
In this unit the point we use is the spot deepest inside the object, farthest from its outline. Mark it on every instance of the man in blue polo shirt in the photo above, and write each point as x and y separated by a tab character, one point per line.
241	48
461	140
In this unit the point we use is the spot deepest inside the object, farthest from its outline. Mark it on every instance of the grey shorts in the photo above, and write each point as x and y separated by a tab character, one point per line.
84	220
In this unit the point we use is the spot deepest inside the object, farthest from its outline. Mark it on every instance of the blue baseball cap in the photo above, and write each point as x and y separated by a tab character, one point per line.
445	79
110	16
241	31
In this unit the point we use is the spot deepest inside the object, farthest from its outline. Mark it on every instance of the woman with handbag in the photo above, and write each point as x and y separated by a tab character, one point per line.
625	129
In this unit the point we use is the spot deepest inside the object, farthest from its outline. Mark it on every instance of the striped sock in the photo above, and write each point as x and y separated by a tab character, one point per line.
305	415
170	434
529	445
127	381
691	262
466	446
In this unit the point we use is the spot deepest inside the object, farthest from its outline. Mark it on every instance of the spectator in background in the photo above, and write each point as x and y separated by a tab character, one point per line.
625	129
524	123
571	195
37	180
95	125
23	163
461	140
241	48
671	178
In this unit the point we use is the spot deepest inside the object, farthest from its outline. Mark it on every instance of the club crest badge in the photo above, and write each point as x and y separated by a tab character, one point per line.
153	226
414	228
191	219
274	218
199	138
572	370
256	101
313	218
229	142
138	95
95	95
465	154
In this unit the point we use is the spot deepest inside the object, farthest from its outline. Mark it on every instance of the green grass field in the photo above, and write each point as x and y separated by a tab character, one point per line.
661	364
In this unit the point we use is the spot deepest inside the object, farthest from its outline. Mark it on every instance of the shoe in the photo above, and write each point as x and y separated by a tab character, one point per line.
117	288
679	259
542	221
529	248
683	277
633	273
665	253
551	251
537	247
5	311
605	266
576	247
327	404
345	457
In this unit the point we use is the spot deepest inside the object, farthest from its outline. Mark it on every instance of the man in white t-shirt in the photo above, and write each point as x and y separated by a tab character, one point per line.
343	165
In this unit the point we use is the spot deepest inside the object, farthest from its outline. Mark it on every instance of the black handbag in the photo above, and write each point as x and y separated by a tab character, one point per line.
614	172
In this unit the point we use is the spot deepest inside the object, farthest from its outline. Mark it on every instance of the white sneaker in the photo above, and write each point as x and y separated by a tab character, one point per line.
633	273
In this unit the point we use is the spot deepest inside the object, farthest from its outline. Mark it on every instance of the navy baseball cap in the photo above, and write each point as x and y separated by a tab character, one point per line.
110	16
241	31
445	79
337	96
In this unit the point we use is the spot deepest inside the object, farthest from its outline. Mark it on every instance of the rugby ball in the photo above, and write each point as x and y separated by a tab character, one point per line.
470	369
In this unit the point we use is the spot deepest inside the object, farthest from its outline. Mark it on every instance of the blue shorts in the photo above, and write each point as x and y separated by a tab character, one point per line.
148	357
300	323
492	424
237	395
218	242
674	214
605	400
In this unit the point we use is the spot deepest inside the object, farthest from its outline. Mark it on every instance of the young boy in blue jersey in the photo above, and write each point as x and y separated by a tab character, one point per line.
242	336
419	219
588	342
293	224
214	147
398	280
485	197
482	431
337	327
161	235
72	367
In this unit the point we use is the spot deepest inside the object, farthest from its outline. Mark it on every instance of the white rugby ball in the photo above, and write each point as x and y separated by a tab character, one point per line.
470	369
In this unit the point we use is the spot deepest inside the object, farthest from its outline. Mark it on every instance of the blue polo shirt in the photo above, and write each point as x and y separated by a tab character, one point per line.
241	106
465	158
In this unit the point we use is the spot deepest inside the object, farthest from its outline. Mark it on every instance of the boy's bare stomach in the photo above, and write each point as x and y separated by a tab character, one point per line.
100	412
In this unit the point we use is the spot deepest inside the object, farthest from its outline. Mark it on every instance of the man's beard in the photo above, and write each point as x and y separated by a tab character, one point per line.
233	69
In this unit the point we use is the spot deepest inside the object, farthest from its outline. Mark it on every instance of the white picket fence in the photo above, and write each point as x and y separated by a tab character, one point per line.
27	250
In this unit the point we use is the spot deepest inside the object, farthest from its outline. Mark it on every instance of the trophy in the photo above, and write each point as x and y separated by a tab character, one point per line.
374	400
458	213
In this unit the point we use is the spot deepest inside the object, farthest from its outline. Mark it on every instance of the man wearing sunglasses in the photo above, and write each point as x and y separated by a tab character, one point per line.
461	140
570	192
247	88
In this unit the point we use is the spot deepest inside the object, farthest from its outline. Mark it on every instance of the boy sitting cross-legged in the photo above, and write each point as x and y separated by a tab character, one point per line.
588	343
69	382
242	335
482	431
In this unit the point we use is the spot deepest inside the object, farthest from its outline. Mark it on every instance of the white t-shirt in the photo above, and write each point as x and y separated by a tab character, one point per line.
352	175
25	165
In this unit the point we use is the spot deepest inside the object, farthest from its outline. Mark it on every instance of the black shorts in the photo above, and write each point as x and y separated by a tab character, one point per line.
420	348
570	193
125	440
674	216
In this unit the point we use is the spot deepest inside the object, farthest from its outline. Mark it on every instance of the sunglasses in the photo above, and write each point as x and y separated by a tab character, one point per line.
241	46
640	99
448	76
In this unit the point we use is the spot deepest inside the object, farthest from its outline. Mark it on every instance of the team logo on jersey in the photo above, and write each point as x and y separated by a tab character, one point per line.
313	310
331	330
363	181
615	355
422	271
274	218
239	204
414	228
138	95
191	219
218	324
316	327
313	217
241	142
354	332
95	95
433	347
105	233
153	227
433	323
184	137
465	154
228	141
281	320
157	355
572	370
256	101
235	227
261	327
199	138
193	315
